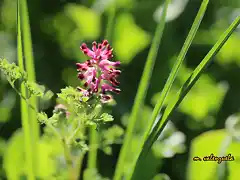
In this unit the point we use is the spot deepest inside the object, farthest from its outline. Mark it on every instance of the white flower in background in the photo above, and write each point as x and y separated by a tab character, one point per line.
232	125
174	144
174	10
170	142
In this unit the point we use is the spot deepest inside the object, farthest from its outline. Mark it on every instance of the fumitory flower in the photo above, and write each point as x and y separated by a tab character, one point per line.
99	74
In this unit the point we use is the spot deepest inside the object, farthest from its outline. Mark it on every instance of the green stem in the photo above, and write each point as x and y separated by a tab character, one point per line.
24	107
67	152
110	23
28	54
75	132
92	157
79	165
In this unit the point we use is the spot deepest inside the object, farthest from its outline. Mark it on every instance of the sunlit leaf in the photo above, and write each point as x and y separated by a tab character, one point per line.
14	153
161	177
129	38
207	144
87	21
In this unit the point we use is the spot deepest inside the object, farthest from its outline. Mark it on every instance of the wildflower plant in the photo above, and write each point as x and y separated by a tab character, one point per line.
77	123
78	108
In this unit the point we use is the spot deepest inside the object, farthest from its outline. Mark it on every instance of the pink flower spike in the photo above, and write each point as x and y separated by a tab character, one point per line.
99	74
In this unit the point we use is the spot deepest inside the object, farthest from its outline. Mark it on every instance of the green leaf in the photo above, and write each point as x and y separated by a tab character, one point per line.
42	117
161	177
47	164
87	21
33	90
112	135
210	143
90	174
11	71
141	93
107	150
106	117
129	39
229	54
14	153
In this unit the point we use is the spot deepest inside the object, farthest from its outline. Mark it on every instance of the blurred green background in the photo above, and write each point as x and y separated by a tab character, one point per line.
59	27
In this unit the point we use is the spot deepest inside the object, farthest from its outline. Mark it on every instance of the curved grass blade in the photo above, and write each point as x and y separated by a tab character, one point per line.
141	93
24	106
185	89
173	74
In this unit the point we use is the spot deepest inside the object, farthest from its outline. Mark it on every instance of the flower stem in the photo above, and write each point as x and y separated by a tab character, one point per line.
79	165
92	157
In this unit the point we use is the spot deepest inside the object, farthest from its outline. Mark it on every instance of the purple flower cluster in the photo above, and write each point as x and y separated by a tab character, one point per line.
99	74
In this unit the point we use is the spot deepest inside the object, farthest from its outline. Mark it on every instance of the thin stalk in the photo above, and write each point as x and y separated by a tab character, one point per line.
29	62
141	93
68	159
79	165
79	161
177	65
92	157
110	23
24	106
67	152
